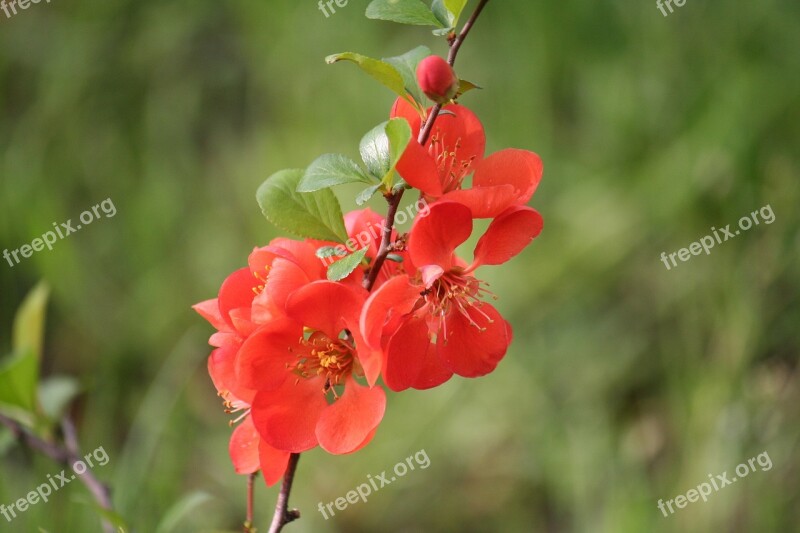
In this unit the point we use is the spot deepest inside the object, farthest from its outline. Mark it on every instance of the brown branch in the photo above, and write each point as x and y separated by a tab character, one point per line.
282	514
66	455
425	132
248	521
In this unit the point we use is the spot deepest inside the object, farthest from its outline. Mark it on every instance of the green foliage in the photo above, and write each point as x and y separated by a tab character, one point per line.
18	377
403	11
315	215
329	170
382	71
406	65
19	373
28	334
382	147
466	86
55	394
326	252
344	267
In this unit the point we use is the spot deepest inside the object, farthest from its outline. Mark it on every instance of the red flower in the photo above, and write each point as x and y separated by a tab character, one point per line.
454	151
432	323
248	452
304	368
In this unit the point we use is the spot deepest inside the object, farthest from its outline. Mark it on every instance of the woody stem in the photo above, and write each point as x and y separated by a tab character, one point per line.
282	515
67	454
394	198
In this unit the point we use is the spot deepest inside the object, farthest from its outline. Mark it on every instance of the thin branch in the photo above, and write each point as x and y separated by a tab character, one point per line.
425	133
386	239
66	455
456	45
248	522
283	515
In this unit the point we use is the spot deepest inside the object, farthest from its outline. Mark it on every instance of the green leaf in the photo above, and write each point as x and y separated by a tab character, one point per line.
364	196
443	15
466	86
55	394
403	11
380	70
18	377
343	268
382	147
455	7
315	215
406	65
331	169
28	331
181	509
374	148
325	252
399	132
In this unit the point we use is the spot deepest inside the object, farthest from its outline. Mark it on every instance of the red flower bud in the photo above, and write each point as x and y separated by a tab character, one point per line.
437	79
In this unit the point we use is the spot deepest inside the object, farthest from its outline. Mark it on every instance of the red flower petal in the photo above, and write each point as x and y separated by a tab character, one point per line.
371	359
209	310
236	291
407	352
273	462
469	351
286	418
520	168
395	297
419	169
507	236
365	226
264	356
326	306
485	202
461	126
243	447
435	237
345	424
284	278
222	369
402	108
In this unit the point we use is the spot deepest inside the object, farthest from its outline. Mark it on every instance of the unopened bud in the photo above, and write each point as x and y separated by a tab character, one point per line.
437	79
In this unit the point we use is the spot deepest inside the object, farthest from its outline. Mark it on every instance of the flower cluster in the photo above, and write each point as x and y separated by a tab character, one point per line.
300	358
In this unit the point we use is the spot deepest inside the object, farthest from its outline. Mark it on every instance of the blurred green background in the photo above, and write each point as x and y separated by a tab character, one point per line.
626	382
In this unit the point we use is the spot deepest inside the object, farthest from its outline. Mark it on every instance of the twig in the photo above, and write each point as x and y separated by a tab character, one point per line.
67	455
282	513
248	522
425	132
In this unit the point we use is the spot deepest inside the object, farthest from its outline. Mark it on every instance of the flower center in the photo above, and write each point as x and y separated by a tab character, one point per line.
452	170
456	292
321	356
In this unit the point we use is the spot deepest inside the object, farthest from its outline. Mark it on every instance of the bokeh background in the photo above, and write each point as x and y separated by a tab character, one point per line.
626	382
